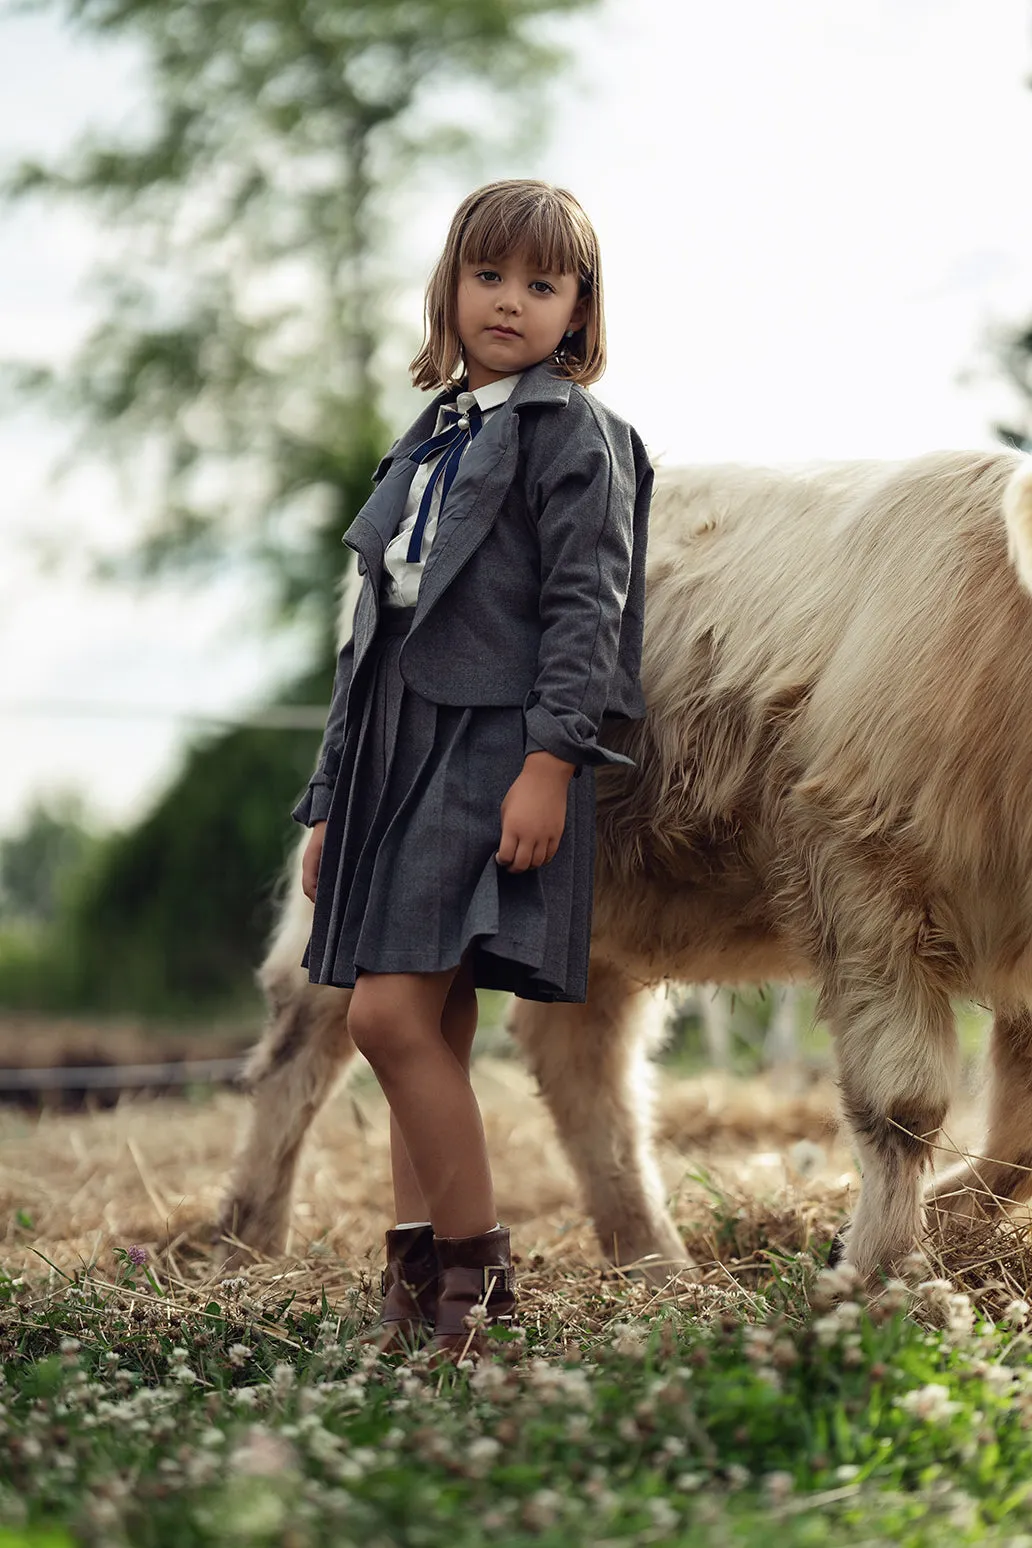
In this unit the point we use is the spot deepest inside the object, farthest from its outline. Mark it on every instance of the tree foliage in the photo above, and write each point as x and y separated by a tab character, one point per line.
234	358
1016	360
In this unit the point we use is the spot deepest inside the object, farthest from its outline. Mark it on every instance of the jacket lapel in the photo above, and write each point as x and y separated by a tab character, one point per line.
485	475
377	521
481	484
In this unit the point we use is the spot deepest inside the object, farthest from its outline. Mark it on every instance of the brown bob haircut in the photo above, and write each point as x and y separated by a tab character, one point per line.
548	226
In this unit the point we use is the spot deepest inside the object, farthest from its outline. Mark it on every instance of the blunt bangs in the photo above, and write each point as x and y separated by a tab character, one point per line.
539	230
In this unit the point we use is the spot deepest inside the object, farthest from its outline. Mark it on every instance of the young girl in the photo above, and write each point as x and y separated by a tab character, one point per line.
453	808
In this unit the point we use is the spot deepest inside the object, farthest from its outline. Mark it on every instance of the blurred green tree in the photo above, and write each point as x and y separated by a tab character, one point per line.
37	862
234	374
1016	360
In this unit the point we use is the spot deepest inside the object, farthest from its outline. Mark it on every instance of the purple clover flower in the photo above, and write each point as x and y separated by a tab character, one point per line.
137	1256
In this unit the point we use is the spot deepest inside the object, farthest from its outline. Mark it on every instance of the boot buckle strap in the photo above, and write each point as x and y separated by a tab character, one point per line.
496	1279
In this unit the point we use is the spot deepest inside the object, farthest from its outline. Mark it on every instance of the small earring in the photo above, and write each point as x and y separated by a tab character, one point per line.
570	332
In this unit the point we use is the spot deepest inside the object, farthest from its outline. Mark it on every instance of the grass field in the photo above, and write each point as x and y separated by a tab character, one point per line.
157	1402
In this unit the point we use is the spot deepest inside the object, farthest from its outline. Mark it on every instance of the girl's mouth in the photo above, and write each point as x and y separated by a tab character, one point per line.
504	333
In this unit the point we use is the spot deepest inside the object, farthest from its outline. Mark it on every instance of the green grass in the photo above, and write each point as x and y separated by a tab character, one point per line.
240	1416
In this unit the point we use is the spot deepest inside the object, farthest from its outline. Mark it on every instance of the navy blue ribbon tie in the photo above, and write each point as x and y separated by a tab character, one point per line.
449	445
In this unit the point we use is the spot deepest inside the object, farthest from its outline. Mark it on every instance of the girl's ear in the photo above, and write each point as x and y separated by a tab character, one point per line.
578	317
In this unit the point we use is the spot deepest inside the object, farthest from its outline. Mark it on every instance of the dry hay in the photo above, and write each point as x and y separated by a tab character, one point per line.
750	1173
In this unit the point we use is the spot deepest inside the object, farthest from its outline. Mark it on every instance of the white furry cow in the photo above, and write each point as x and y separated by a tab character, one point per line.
834	781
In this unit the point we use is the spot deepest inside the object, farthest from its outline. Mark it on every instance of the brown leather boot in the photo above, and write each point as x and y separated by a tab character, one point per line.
475	1290
409	1288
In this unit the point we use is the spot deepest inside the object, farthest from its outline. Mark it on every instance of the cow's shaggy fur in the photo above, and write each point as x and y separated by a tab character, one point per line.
834	781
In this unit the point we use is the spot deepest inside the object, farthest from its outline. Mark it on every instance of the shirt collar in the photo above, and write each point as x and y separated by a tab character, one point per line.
490	396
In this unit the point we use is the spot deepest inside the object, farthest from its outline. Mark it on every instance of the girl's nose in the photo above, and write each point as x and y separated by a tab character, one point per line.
509	301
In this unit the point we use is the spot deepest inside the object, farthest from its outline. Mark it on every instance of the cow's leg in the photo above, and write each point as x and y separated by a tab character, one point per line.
982	1186
290	1073
591	1062
715	1015
781	1043
897	1055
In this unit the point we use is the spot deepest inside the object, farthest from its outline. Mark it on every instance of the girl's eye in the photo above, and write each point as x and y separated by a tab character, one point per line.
488	274
546	289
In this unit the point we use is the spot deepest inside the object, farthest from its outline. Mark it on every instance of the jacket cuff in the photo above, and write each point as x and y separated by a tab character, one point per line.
314	805
546	733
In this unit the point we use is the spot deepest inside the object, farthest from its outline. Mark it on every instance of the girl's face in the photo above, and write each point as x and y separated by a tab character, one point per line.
511	315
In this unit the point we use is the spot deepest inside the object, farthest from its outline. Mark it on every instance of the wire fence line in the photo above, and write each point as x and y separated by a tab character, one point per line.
279	717
123	1077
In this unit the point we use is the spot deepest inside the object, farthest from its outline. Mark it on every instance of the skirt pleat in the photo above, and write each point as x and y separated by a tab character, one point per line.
408	882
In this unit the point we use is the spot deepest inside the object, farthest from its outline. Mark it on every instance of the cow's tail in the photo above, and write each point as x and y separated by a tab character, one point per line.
1017	513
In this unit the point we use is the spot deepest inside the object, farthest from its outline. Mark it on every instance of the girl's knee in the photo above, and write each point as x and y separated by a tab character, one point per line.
382	1028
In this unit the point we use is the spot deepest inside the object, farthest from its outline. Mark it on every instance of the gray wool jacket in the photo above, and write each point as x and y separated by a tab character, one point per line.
533	591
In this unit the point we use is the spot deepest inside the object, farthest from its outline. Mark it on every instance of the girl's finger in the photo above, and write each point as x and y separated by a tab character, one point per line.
507	844
522	858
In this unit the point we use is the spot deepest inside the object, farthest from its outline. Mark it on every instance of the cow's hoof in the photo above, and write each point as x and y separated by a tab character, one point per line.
837	1250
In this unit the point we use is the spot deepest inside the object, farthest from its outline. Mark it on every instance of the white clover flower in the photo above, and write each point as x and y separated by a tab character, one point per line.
778	1486
578	1428
628	1340
827	1330
234	1284
323	1444
664	1517
835	1284
689	1483
31	1448
245	1397
960	1314
69	1345
487	1380
931	1403
601	1496
895	1297
239	1354
283	1377
481	1454
757	1343
184	1375
179	1353
846	1473
914	1265
262	1454
201	1469
935	1291
1000	1378
542	1509
737	1476
672	1446
1016	1313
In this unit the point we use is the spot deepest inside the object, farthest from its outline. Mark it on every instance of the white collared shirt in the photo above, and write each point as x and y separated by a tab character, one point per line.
401	576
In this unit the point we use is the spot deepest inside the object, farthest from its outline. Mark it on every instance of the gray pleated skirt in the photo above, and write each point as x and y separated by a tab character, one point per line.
408	882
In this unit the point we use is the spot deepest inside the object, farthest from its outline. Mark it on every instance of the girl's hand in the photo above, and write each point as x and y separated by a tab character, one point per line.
534	813
311	859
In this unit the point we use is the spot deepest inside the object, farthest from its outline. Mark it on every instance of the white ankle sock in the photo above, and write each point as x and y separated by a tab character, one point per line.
408	1225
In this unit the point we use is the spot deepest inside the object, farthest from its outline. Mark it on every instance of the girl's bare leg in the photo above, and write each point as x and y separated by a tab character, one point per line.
458	1028
396	1020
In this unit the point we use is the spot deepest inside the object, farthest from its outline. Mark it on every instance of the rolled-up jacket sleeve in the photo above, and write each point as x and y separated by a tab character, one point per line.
314	805
586	534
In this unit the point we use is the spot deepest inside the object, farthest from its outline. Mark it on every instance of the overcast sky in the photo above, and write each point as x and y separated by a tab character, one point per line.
811	217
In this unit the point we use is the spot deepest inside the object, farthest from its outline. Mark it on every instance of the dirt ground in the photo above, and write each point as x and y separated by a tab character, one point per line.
752	1163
